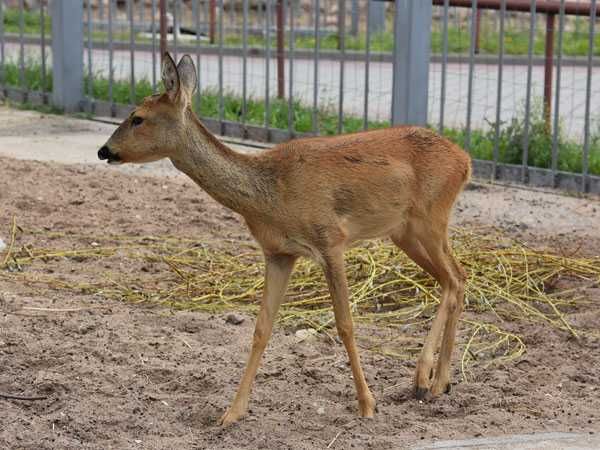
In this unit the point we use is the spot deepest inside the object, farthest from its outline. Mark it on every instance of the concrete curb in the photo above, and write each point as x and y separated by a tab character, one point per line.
537	441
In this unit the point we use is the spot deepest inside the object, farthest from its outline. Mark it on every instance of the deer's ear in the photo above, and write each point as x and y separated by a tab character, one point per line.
170	77
188	78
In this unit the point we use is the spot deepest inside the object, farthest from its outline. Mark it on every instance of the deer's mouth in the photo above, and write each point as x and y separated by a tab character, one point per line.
114	159
106	154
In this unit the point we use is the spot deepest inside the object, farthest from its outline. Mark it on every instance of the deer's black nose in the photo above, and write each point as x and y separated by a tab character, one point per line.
104	153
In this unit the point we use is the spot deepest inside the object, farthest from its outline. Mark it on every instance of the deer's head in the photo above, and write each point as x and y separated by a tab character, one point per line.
153	130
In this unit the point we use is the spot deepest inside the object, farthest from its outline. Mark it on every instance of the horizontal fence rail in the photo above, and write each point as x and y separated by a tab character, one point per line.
512	81
573	8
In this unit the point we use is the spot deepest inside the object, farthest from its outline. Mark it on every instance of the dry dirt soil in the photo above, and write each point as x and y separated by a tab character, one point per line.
116	375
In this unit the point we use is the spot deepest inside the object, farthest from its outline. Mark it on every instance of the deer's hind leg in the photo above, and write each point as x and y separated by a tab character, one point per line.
441	381
428	248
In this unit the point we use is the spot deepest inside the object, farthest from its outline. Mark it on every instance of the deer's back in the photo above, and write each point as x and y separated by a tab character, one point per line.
388	163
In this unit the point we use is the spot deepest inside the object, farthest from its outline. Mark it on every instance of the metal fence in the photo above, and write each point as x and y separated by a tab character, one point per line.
509	80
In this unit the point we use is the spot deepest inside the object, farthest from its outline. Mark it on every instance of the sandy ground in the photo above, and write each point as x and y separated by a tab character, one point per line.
132	376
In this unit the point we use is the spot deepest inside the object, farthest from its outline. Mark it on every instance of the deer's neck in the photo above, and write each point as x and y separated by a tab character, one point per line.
231	178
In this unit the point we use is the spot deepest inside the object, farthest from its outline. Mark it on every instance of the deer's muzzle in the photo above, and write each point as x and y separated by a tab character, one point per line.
105	153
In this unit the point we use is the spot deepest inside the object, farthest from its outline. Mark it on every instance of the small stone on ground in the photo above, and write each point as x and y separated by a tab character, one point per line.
234	319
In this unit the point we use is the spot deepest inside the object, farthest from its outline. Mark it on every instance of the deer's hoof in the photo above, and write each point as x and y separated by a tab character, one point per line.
230	417
440	387
421	393
366	408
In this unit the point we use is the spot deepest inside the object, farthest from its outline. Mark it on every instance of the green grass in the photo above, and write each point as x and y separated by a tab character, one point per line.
482	141
380	42
208	106
32	76
121	89
511	138
31	21
516	42
256	112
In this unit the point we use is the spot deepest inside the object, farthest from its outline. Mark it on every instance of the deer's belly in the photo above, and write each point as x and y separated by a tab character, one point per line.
372	226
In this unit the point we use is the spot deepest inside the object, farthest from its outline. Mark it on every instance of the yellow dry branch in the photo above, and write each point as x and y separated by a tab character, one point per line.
393	300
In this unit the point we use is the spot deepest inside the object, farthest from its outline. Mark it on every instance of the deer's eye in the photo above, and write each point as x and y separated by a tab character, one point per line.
137	120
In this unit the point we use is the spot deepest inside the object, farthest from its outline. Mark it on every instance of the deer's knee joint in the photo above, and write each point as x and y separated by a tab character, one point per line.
460	289
260	337
456	282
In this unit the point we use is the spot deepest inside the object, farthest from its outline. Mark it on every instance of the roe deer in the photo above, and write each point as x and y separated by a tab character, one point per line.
312	198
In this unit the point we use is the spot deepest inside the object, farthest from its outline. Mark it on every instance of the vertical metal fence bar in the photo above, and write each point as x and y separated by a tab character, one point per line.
90	79
411	62
280	18
588	91
221	99
43	50
163	28
367	68
141	12
175	27
110	58
2	76
499	89
354	18
232	14
555	131
206	12
196	13
263	17
153	24
444	74
68	37
342	45
291	67
285	11
21	46
269	6
131	52
244	58
532	29
212	17
317	36
471	73
549	62
377	15
478	32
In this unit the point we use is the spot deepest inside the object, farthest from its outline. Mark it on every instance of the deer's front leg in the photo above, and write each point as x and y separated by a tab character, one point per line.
278	270
338	287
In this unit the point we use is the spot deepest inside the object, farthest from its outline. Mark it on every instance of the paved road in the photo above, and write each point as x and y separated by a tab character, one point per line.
572	101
